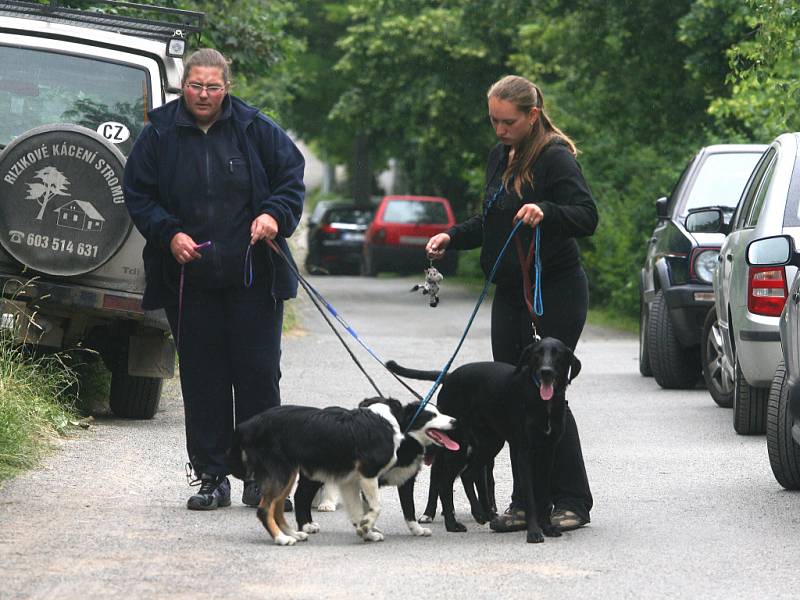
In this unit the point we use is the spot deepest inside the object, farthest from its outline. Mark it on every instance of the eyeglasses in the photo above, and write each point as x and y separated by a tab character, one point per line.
212	89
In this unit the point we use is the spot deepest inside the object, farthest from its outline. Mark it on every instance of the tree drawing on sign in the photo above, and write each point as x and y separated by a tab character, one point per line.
53	183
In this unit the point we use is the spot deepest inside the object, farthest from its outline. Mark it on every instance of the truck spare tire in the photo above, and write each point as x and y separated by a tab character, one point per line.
62	210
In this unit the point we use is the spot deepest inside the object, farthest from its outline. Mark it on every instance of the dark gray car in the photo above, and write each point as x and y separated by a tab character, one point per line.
675	290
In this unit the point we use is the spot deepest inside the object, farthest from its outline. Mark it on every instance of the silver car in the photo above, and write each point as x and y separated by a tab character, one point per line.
783	406
749	299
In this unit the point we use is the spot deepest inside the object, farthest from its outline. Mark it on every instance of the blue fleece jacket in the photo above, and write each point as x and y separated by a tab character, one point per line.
159	203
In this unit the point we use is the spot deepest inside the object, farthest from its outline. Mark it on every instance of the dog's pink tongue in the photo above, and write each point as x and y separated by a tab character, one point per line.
442	438
546	391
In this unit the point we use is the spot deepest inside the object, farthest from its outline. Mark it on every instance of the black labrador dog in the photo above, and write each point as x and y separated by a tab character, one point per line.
494	403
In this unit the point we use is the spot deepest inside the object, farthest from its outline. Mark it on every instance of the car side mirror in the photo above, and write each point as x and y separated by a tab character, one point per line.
774	251
661	207
705	220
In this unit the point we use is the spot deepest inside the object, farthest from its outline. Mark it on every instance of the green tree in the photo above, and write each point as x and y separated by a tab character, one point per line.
765	87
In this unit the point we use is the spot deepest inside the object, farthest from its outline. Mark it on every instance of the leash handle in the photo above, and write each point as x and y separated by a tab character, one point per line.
533	257
248	266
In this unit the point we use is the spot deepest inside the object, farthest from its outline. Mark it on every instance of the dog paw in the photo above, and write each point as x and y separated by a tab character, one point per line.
285	540
326	506
425	519
535	537
455	527
551	531
417	530
372	536
311	527
300	536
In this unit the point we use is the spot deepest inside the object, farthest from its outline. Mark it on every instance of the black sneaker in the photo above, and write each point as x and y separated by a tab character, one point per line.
214	492
251	494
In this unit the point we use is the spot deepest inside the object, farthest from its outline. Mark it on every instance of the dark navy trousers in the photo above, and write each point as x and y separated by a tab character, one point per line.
565	300
229	353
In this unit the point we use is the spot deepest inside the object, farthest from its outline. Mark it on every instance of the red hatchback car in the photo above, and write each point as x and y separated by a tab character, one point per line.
395	241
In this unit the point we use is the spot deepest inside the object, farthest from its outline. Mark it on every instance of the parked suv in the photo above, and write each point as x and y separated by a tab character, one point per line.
396	238
749	299
783	404
75	88
675	283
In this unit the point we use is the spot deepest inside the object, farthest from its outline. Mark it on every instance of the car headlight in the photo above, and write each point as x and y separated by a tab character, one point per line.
705	262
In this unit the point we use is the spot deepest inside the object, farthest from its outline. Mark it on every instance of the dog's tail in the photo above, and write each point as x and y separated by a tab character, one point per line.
411	373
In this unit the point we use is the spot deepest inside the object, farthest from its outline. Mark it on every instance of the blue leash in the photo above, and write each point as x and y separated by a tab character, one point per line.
538	293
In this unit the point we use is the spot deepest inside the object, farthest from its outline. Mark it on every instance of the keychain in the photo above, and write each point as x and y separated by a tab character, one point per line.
431	285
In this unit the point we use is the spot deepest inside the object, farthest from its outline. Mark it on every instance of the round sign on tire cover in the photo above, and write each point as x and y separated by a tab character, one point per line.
62	210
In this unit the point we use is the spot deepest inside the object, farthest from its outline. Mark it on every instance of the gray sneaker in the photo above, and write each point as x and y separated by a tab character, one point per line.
251	496
214	492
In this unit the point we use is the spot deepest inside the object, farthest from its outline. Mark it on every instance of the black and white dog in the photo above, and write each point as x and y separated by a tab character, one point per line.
426	431
352	449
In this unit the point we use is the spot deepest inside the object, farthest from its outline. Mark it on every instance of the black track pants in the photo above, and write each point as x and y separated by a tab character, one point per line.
565	300
229	353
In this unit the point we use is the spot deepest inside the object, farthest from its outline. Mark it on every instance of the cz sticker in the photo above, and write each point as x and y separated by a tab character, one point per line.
114	132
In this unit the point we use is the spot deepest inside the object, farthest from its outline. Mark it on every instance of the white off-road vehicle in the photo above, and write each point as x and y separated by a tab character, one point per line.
75	89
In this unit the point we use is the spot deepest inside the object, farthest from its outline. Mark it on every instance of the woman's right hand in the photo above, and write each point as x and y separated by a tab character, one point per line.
183	248
437	245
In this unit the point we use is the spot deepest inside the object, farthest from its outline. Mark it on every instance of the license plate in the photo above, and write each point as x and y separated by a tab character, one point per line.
414	240
353	237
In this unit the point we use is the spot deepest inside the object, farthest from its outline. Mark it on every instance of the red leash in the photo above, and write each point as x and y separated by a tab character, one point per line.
525	263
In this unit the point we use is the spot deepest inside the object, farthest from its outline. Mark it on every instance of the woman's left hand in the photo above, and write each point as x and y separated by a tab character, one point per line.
264	227
529	214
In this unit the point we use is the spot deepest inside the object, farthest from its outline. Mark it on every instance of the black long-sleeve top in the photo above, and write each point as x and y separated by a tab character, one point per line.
562	193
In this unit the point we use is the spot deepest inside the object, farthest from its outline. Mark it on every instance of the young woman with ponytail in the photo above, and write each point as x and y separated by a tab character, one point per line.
533	176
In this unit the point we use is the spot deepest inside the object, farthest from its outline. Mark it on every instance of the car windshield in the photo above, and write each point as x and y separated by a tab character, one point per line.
415	211
358	216
721	180
39	87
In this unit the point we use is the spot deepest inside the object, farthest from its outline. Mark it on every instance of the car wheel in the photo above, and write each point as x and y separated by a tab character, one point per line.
673	366
644	355
132	397
784	452
718	381
749	405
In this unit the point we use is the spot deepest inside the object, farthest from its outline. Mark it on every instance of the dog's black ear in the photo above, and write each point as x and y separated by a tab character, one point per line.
396	407
524	358
574	368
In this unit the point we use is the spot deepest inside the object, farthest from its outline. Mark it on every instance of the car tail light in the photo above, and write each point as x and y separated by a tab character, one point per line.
326	228
766	291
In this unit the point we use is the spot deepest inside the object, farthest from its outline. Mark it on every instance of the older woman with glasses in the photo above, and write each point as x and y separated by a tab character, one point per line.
208	178
533	177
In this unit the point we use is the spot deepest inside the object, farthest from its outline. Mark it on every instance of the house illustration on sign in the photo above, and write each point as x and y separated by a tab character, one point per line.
78	214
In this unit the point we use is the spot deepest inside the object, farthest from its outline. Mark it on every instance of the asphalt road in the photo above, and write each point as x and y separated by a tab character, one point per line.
684	508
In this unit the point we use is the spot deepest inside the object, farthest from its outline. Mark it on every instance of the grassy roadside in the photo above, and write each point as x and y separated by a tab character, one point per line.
36	406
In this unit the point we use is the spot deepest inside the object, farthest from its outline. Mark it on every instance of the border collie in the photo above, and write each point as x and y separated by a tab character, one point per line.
426	432
351	448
